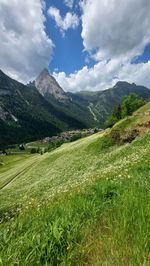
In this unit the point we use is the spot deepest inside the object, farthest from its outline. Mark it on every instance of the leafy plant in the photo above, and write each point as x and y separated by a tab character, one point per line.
130	104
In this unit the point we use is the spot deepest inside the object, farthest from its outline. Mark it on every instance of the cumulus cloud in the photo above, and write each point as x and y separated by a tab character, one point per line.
70	21
115	28
96	78
24	46
104	75
113	32
138	73
69	3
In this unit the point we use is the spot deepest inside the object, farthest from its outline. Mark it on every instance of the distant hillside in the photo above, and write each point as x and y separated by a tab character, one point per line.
43	108
25	115
64	102
102	102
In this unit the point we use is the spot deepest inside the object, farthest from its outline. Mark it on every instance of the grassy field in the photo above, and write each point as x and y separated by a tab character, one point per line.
85	203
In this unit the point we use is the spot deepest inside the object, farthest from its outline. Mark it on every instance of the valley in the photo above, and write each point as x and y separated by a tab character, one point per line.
43	109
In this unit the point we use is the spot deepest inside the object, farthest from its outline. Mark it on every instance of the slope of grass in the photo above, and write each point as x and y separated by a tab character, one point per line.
86	203
143	109
11	161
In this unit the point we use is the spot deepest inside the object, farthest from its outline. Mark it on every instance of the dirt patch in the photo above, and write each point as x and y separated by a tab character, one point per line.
145	124
124	137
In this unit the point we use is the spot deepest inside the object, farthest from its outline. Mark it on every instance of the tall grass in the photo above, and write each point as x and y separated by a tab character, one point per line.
107	224
103	221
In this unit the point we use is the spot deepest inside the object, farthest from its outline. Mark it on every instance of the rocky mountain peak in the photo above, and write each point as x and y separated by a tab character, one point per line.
47	85
44	73
122	84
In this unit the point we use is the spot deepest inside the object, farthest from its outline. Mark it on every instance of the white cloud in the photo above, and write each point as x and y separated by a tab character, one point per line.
24	46
138	73
113	32
98	77
70	21
115	28
104	75
69	3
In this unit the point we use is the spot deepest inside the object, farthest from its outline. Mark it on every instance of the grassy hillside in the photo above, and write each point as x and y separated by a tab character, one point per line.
86	203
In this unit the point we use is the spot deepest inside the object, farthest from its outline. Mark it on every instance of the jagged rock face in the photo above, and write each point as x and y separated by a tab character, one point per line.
47	85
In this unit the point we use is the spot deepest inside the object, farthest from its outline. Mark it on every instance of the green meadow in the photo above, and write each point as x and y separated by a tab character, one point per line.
85	203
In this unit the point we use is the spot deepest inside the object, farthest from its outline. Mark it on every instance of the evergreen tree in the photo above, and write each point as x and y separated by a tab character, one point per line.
114	117
130	104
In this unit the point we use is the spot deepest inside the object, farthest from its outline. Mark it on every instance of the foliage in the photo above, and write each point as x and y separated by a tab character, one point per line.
54	145
33	150
76	137
130	104
114	117
111	120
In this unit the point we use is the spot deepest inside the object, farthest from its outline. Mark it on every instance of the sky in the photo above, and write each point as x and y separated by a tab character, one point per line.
85	44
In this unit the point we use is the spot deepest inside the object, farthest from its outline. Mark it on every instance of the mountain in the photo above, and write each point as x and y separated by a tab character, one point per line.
26	115
43	108
102	102
64	102
91	108
47	85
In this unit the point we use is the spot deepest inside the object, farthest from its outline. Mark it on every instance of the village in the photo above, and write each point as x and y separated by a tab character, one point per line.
72	135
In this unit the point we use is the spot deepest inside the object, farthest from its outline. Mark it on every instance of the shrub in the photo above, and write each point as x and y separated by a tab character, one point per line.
33	150
76	137
130	104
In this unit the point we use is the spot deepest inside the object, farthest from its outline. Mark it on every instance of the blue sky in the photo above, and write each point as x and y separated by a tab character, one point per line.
69	54
144	57
86	44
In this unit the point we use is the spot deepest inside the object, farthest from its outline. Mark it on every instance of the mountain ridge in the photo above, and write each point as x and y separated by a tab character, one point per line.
102	102
28	113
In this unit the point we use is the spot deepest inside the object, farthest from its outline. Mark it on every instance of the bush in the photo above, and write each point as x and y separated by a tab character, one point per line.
54	144
114	117
76	137
130	104
33	150
111	121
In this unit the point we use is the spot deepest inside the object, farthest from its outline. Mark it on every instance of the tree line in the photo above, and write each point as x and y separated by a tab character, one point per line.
130	104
